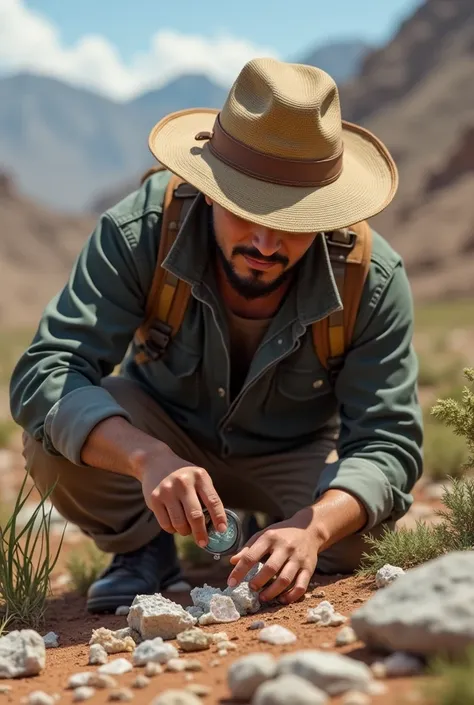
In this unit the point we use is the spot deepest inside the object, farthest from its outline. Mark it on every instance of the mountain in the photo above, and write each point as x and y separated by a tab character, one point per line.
342	60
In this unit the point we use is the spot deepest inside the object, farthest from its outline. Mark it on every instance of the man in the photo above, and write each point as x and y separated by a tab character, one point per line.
238	411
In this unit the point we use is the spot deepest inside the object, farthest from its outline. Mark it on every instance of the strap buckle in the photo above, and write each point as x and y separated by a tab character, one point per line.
159	336
340	240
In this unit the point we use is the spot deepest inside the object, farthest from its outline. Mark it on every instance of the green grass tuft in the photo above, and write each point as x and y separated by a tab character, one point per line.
454	683
85	564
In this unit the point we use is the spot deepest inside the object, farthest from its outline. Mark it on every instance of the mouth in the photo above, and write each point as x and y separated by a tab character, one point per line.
261	265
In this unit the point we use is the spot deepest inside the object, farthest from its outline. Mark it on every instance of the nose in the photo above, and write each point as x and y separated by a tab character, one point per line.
266	241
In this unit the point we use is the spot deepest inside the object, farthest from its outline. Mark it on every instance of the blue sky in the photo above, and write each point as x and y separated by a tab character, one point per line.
119	47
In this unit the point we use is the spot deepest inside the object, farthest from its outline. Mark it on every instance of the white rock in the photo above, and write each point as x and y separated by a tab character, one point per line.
325	615
121	695
218	637
346	636
84	692
194	640
176	697
387	574
153	669
113	642
401	664
201	596
192	664
221	611
51	640
332	672
200	690
245	600
176	665
97	655
39	697
246	674
22	653
289	689
228	645
154	650
79	679
141	681
101	680
155	615
355	697
122	611
222	652
116	668
276	634
5	689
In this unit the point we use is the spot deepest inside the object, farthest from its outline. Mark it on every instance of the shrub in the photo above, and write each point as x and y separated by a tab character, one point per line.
458	414
85	565
445	453
454	682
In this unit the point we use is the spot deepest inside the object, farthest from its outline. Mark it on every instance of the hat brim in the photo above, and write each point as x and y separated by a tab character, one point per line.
366	186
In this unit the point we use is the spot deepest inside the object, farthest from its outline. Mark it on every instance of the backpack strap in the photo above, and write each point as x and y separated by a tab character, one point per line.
168	296
350	255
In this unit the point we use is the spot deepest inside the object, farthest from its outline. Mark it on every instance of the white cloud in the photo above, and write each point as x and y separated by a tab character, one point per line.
29	41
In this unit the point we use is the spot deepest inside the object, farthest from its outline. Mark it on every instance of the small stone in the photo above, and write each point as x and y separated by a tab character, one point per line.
176	697
320	594
101	680
155	615
355	697
39	697
289	689
219	636
214	662
22	653
222	652
247	673
227	645
325	615
113	642
346	636
244	598
258	624
188	677
97	655
122	695
51	641
116	668
192	664
387	574
153	669
84	692
79	679
176	665
154	650
221	611
122	611
276	634
199	689
401	664
332	672
194	640
194	611
141	681
5	689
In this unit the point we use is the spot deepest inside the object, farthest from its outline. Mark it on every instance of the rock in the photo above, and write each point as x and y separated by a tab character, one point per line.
122	695
5	689
194	611
258	624
320	594
116	668
192	664
214	662
79	679
154	650
176	665
141	681
332	672
153	669
97	655
289	689
228	645
355	697
91	678
84	692
22	653
244	598
218	637
113	642
325	615
188	677
122	611
201	596
39	697
276	634
400	664
194	640
221	611
428	610
387	575
155	615
176	697
199	689
51	640
346	636
222	652
246	674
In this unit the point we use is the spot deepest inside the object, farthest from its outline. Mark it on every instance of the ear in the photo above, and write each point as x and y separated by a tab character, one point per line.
209	201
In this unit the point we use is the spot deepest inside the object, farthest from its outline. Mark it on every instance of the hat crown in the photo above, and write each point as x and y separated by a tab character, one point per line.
291	111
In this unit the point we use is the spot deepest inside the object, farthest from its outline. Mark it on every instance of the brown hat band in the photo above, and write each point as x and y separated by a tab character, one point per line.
266	167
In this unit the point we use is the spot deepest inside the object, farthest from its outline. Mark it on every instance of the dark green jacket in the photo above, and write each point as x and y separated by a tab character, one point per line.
287	399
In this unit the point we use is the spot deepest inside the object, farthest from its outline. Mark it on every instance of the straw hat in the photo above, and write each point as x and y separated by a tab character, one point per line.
278	153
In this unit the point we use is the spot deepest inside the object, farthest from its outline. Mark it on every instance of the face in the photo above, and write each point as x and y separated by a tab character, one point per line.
256	260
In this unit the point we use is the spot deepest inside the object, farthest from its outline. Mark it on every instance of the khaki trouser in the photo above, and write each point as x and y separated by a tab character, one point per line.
110	507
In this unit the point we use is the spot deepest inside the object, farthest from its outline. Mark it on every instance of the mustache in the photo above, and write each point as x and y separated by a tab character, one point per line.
255	254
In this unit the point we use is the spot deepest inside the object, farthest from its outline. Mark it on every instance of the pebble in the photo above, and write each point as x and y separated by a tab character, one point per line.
5	689
176	697
276	634
355	697
387	575
325	615
39	697
51	640
332	672
320	594
346	636
122	611
101	680
289	689
141	681
79	679
97	655
113	642
246	674
116	668
176	665
219	636
258	624
192	664
122	695
153	669
199	689
84	692
221	611
154	650
215	662
194	640
222	652
401	664
188	677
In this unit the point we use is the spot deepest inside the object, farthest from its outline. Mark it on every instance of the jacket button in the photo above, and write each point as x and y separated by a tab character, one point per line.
318	383
221	392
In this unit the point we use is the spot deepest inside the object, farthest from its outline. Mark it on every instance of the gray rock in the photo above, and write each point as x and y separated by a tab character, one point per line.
194	640
155	615
141	681
51	640
154	650
84	692
258	624
247	673
176	697
116	668
289	689
122	611
22	653
333	673
276	634
397	665
428	610
97	655
387	575
245	600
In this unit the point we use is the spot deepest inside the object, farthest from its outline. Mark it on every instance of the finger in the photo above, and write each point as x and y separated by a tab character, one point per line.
283	581
195	517
163	517
237	556
299	588
273	565
178	518
247	560
212	502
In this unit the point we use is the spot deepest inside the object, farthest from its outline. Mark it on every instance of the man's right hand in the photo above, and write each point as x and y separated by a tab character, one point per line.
173	489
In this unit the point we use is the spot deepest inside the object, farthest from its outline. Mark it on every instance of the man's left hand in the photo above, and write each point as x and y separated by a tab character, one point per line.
292	547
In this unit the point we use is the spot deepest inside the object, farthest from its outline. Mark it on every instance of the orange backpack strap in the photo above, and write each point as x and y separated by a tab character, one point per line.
168	296
350	255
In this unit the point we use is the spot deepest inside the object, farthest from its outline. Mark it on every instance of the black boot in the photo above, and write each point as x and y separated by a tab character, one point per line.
152	568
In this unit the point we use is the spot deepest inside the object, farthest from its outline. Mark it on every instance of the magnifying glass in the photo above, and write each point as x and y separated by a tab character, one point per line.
226	542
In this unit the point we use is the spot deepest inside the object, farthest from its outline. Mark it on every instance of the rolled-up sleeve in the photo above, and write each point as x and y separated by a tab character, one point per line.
380	444
84	332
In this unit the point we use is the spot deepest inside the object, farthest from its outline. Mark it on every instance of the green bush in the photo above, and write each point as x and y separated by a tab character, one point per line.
445	453
454	683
